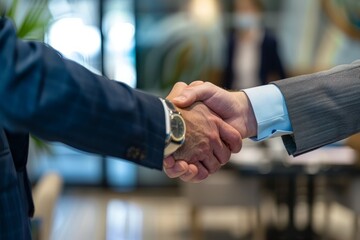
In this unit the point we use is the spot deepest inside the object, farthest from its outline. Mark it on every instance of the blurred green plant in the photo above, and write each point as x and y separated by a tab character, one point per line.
31	19
184	51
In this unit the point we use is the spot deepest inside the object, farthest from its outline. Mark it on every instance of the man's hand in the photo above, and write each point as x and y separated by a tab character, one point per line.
233	107
208	145
208	138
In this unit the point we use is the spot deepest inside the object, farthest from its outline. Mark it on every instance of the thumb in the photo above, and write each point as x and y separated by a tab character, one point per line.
194	93
176	90
196	83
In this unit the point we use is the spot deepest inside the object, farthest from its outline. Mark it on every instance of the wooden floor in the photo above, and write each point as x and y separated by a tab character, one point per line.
94	214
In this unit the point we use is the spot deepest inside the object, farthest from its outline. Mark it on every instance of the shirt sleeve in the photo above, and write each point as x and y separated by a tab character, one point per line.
167	117
270	112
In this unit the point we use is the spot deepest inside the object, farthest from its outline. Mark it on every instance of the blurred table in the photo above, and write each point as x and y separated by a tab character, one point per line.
272	164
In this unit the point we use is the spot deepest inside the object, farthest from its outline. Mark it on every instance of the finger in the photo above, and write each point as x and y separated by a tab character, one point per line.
222	153
177	90
199	92
179	168
190	174
212	164
221	149
169	162
230	136
201	174
196	83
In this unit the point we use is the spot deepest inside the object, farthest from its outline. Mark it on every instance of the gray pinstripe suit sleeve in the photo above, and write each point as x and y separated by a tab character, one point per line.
323	107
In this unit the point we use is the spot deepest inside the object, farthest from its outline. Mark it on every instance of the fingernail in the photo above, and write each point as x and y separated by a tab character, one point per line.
165	164
180	168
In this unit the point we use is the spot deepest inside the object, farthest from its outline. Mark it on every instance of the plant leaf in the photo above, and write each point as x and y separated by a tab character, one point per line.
41	146
35	19
12	10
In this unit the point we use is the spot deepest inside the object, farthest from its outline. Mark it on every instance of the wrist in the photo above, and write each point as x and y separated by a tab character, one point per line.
177	129
246	115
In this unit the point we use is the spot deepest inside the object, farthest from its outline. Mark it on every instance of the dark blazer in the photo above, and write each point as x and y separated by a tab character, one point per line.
323	107
59	100
270	62
15	199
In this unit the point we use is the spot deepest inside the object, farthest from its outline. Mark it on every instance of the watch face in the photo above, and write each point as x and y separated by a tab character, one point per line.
178	128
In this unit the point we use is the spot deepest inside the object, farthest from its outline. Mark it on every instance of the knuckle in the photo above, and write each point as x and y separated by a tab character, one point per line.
225	158
180	84
213	136
199	156
202	175
197	82
212	118
214	169
236	143
238	146
204	148
208	84
236	137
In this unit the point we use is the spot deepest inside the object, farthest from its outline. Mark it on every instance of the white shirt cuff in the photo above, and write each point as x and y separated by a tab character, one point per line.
270	111
167	116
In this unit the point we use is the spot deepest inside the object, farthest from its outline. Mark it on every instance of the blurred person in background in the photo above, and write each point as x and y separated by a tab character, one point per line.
252	57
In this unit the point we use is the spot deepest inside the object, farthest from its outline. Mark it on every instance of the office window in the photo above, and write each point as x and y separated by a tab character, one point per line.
75	32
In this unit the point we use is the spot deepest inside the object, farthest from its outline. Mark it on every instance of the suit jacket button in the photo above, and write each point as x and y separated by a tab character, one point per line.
134	153
131	153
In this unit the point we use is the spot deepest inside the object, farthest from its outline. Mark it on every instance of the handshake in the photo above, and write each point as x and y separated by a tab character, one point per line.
216	122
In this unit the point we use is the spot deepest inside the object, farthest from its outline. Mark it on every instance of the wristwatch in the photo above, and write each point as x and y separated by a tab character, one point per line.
176	137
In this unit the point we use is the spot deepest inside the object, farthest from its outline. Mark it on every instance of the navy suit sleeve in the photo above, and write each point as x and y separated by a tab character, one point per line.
59	100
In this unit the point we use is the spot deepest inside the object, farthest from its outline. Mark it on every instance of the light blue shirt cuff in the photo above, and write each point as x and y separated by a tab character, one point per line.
270	112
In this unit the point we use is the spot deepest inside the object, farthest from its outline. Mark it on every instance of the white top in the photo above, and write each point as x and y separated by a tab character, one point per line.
247	62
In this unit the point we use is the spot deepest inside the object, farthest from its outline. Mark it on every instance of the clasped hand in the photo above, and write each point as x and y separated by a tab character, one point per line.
216	123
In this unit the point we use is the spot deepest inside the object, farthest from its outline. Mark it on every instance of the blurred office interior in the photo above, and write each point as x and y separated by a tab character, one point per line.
152	44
